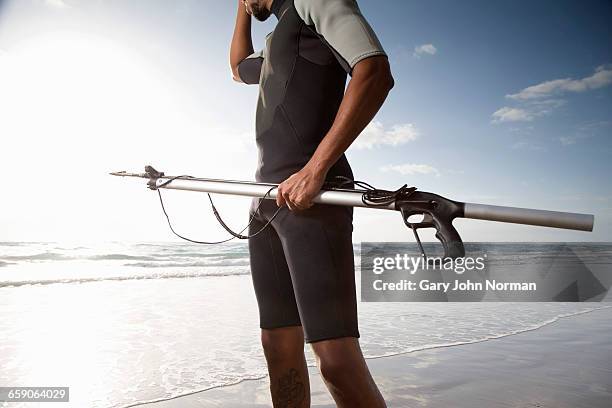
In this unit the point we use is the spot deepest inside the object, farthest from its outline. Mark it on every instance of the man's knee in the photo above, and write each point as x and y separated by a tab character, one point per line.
336	358
282	343
333	369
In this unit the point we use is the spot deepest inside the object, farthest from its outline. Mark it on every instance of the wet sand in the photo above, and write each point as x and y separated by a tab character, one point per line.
567	363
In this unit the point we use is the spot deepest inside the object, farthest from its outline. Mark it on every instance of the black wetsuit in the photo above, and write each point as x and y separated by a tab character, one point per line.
302	267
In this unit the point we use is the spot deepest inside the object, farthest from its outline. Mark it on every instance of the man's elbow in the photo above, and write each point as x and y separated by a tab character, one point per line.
384	76
387	80
376	70
234	72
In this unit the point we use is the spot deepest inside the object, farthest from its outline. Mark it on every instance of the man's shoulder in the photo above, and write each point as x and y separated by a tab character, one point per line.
310	10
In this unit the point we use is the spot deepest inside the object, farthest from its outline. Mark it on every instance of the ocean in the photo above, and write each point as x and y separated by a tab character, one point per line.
124	324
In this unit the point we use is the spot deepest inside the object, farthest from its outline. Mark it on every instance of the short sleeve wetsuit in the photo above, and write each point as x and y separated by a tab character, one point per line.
302	267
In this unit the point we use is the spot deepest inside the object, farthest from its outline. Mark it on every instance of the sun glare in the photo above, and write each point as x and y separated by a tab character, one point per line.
77	106
68	87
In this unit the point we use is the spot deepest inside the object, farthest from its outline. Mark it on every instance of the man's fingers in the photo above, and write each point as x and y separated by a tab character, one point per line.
290	204
295	203
306	203
298	206
301	203
287	200
280	200
293	193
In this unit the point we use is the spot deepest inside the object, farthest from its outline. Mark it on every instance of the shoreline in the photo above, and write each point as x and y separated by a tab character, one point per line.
389	370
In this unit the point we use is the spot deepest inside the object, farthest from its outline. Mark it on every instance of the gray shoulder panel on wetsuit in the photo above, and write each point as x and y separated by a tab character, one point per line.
343	27
249	68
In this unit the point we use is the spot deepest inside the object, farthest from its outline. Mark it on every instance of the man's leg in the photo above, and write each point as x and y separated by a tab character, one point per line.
284	350
318	247
282	336
346	374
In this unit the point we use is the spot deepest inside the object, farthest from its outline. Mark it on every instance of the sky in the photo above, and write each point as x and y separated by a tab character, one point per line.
495	102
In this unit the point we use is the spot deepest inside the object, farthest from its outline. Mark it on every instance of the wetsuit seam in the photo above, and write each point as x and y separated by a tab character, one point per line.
285	89
294	130
295	59
363	56
297	50
339	57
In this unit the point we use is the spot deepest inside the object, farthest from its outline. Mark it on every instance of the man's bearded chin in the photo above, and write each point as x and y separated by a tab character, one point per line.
259	12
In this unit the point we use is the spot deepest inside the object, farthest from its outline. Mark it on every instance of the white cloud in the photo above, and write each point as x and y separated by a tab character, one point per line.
539	100
601	78
410	169
56	3
425	49
508	114
528	111
375	135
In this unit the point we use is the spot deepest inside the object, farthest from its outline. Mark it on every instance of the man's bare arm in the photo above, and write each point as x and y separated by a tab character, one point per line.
365	94
242	43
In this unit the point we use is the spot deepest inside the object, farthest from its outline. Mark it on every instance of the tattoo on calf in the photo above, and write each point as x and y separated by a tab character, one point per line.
290	392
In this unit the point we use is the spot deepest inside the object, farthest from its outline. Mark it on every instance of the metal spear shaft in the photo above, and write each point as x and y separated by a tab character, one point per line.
353	198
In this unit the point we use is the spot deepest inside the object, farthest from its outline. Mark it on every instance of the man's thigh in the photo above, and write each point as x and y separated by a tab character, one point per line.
318	249
271	278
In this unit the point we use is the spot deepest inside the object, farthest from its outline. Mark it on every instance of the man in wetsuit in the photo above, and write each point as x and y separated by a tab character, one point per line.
302	264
